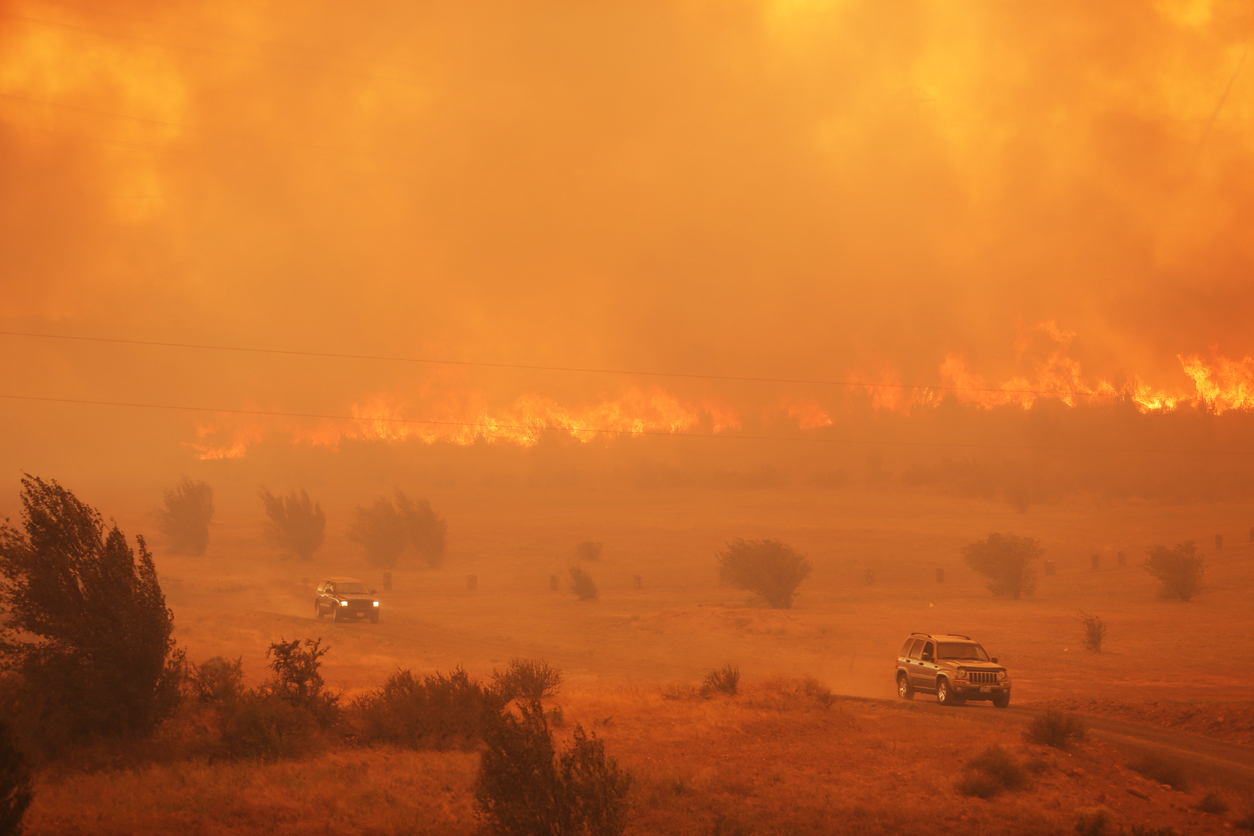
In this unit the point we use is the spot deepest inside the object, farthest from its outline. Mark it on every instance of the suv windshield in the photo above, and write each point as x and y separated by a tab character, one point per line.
357	588
962	650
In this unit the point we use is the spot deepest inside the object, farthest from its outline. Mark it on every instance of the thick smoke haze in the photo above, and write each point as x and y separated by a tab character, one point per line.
981	196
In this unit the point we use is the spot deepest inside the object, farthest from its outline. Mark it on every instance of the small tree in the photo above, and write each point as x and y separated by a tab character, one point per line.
15	787
424	531
298	678
523	788
767	567
380	531
1094	631
185	518
294	523
88	630
1007	561
581	584
588	550
1178	569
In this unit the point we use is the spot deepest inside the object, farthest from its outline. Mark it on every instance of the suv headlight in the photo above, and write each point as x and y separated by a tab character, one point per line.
376	603
343	603
1002	675
961	673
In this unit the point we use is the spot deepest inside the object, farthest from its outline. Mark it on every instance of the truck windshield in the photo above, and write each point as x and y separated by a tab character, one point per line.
962	650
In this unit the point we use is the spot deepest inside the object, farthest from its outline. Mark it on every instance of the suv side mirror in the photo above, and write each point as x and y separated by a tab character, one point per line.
994	658
927	657
374	592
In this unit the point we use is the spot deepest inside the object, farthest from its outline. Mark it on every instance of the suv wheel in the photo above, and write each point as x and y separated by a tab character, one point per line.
317	610
944	696
1001	700
903	687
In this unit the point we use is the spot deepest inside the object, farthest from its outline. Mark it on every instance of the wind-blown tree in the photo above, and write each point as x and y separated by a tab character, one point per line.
88	632
294	523
185	518
424	531
15	786
1007	560
768	567
1178	569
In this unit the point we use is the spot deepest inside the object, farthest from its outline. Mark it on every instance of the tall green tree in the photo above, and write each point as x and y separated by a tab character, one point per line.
88	631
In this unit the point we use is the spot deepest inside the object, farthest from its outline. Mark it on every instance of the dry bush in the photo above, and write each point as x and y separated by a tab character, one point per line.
15	783
435	712
298	678
294	523
991	772
588	550
1094	631
1161	769
425	532
263	725
185	518
524	788
1056	729
530	679
1179	570
1212	803
724	680
88	631
1092	821
218	681
1007	560
582	585
768	568
387	526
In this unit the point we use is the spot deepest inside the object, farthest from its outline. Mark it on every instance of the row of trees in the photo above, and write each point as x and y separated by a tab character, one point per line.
296	525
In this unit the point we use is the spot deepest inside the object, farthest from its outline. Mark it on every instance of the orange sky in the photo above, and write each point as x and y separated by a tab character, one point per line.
1035	196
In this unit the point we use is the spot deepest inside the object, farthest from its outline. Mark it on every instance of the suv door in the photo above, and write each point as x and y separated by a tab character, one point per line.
925	670
323	589
913	663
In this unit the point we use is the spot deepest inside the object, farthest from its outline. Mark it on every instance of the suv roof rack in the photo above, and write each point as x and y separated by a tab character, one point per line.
917	633
959	635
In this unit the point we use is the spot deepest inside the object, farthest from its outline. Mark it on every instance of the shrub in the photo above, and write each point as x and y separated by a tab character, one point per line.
1160	769
1094	631
1007	561
298	680
524	788
768	568
88	630
1246	822
581	584
15	784
530	679
1092	821
1212	803
424	531
435	712
588	550
724	680
991	772
264	725
217	681
1179	570
294	523
1057	729
185	518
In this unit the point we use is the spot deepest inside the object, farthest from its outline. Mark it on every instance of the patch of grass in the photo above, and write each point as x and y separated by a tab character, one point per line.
1056	729
1161	769
1213	803
991	772
729	826
724	680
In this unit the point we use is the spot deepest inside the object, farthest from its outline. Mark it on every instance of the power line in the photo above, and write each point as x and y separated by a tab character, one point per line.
620	433
535	367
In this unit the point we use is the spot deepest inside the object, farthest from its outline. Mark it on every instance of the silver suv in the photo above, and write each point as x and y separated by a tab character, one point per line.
954	668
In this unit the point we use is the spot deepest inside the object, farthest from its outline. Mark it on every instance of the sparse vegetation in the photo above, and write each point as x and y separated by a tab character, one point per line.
217	681
1179	570
523	787
185	517
294	524
1094	631
1246	822
1161	769
1007	560
87	632
1056	729
386	527
1212	803
15	783
724	680
768	568
588	550
582	585
437	711
1092	821
530	679
991	772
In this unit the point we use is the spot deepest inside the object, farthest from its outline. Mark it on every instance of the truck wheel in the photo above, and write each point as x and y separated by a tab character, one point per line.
943	695
903	687
1001	700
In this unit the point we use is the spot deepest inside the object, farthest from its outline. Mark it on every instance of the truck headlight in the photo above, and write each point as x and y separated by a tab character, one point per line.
343	603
